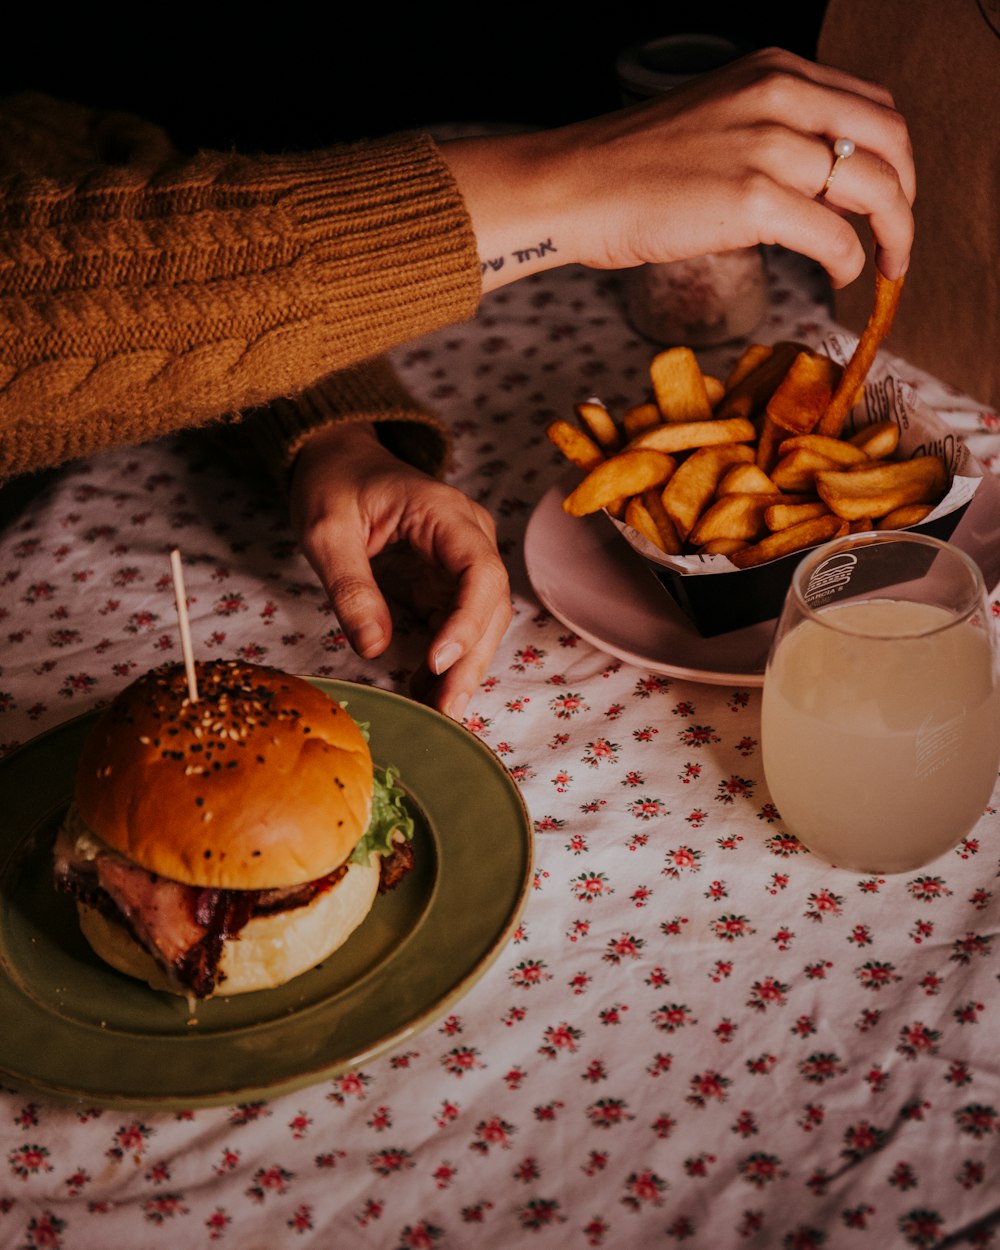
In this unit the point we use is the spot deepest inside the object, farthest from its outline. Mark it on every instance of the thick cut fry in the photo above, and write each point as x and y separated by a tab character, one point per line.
876	491
579	448
753	355
640	417
745	479
787	541
908	514
599	424
669	538
733	516
723	546
835	449
769	444
750	394
640	517
679	386
797	470
879	323
628	473
691	488
715	388
877	441
780	515
804	393
675	436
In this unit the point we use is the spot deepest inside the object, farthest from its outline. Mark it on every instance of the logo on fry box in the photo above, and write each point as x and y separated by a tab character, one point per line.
830	577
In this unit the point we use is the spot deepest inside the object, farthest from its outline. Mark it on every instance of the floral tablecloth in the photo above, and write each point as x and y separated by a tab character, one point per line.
698	1034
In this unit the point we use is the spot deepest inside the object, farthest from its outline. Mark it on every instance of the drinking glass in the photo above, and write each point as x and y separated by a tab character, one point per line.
881	703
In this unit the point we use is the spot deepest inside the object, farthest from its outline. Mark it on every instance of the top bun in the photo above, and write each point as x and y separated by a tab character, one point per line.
263	782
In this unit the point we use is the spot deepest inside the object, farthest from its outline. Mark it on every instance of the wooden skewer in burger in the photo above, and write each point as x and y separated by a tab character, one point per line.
228	830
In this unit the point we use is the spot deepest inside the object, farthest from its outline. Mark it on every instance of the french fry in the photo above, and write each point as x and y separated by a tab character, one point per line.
616	507
769	444
879	323
690	489
753	355
598	423
905	516
876	491
878	440
670	540
749	395
639	514
835	449
804	393
747	478
781	515
723	546
797	470
733	516
788	541
578	448
679	385
715	388
676	436
625	474
640	417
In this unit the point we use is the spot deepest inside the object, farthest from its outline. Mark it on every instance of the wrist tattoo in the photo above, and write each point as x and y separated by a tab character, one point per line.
522	256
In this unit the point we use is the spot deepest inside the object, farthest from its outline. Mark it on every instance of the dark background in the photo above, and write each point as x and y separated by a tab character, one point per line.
296	78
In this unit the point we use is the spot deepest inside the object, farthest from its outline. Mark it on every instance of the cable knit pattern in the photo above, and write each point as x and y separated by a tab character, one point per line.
145	292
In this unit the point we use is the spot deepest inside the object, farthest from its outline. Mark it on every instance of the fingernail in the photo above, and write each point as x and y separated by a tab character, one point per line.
369	638
445	656
457	704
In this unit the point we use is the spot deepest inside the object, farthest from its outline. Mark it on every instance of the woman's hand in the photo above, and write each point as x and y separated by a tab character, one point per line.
351	500
729	160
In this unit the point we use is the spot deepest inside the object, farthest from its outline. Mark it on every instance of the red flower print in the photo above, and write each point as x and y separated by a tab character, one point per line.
492	1132
560	1037
644	1188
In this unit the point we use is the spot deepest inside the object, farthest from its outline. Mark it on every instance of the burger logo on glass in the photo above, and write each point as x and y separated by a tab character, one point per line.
232	842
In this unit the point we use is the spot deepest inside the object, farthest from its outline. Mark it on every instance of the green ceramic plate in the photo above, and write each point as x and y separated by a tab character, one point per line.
74	1028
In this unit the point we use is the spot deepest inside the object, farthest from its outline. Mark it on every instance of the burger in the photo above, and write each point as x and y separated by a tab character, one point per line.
232	841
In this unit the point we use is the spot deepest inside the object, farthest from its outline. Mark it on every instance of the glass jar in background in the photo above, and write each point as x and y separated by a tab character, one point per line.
705	300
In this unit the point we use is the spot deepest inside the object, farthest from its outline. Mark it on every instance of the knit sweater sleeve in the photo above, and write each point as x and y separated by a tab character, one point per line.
142	292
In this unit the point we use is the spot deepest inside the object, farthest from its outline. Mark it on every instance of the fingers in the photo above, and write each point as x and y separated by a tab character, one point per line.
339	559
863	184
879	180
352	503
451	690
463	648
871	188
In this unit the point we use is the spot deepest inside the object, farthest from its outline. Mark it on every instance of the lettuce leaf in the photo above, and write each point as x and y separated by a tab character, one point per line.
389	815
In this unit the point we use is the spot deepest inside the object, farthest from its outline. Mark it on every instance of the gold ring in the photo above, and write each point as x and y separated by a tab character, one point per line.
842	149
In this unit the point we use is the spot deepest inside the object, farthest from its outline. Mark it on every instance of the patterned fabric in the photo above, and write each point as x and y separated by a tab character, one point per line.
699	1034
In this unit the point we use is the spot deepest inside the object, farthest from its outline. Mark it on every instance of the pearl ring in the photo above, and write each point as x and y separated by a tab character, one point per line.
842	149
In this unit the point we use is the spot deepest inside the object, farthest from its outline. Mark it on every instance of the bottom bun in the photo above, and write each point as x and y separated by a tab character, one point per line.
269	951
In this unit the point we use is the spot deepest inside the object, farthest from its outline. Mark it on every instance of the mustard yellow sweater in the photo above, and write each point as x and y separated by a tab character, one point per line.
142	292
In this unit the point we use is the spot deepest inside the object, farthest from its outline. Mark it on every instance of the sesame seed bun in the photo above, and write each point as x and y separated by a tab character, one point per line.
263	782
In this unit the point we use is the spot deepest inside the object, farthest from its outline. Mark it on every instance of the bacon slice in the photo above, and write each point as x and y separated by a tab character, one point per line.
182	926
